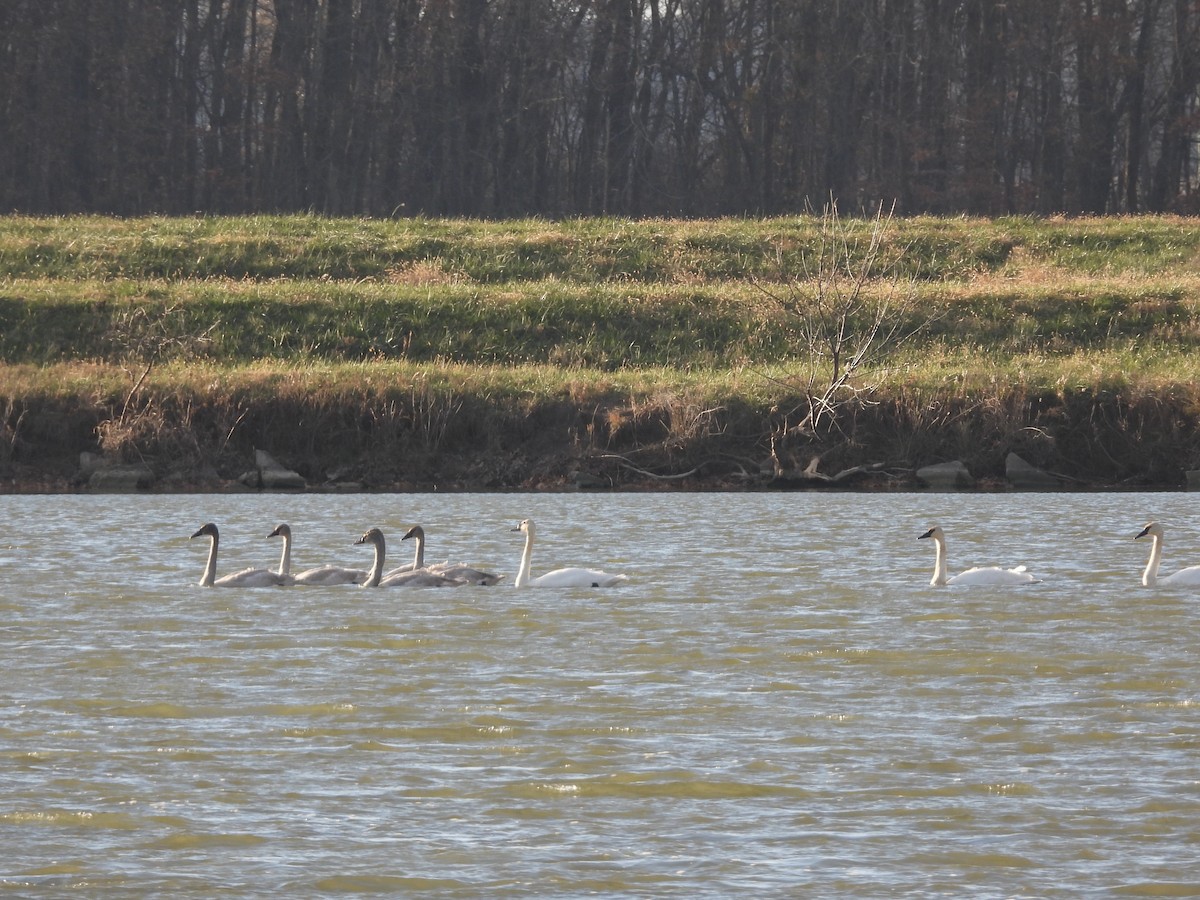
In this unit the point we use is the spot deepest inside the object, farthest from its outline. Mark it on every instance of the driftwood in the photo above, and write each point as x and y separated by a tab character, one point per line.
626	464
795	479
809	476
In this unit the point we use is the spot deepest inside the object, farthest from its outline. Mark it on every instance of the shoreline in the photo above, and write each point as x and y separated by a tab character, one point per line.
107	477
1081	442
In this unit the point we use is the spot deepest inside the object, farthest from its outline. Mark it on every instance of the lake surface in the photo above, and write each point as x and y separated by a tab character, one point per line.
777	703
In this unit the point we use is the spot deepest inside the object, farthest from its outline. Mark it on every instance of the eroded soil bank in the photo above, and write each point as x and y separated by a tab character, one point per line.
1087	440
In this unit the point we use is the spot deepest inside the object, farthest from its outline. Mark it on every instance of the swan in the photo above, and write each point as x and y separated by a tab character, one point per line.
418	558
321	575
420	578
1188	576
459	571
570	577
244	578
986	575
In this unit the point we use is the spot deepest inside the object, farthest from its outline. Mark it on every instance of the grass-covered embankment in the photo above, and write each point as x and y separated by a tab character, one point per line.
456	353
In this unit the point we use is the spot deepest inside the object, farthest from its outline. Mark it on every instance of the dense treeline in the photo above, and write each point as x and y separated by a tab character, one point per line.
581	107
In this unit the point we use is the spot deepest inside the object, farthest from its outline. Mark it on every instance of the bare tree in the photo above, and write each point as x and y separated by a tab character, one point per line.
849	306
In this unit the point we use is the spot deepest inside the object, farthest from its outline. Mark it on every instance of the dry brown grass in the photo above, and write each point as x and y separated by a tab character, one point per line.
424	273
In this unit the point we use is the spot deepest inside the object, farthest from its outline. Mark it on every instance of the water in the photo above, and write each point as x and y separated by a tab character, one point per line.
776	704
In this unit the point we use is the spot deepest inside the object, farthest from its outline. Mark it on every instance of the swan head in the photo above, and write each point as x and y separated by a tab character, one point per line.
525	525
1152	530
416	532
207	530
373	536
935	532
281	530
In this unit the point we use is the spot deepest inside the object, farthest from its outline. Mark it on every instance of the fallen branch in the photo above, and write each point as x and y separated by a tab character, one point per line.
625	463
810	475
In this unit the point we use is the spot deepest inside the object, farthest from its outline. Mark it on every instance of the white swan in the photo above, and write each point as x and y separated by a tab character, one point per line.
459	571
419	578
569	577
987	575
244	578
321	575
1185	577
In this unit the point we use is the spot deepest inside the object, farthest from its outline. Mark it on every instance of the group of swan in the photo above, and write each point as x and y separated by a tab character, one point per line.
994	575
414	574
244	578
418	574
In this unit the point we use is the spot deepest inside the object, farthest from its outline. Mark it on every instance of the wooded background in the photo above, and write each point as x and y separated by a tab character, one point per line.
498	108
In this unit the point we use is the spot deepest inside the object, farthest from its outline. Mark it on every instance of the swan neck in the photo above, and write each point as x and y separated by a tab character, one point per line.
939	560
419	559
210	567
1150	576
285	559
376	567
526	559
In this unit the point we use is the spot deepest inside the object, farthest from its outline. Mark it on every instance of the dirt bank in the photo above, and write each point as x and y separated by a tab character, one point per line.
1087	440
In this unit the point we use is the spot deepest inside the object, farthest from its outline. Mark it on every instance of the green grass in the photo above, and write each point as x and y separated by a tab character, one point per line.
587	250
590	293
593	293
606	325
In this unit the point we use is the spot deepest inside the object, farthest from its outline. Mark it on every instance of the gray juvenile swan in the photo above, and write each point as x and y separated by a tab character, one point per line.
986	575
569	577
418	561
421	578
321	575
1184	577
244	578
460	571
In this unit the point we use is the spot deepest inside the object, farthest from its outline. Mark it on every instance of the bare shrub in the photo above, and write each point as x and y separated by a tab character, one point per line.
687	421
146	425
141	338
848	308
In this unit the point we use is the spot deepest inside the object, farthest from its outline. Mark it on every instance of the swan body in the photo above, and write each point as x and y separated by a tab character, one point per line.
245	578
458	571
421	578
418	578
980	575
1183	578
321	575
569	577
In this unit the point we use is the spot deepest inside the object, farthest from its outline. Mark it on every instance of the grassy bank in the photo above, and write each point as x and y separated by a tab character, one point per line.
474	354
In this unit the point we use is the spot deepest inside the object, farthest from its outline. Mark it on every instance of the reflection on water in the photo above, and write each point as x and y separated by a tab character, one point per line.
776	703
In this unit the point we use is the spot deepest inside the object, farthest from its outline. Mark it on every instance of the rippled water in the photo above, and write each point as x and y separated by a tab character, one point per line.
777	703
